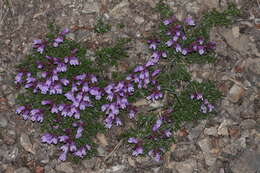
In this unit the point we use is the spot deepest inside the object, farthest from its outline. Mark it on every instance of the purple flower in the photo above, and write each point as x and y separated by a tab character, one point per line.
81	152
132	113
201	50
63	138
178	48
157	125
184	51
138	69
156	72
167	22
74	61
20	109
40	49
18	78
63	156
73	147
49	138
169	43
167	133
65	31
138	150
199	96
132	140
210	107
203	108
65	82
189	21
79	132
118	122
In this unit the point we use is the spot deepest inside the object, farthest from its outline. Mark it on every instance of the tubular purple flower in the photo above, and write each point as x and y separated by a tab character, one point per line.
63	138
132	140
203	108
184	51
81	152
73	147
118	122
79	132
138	69
137	151
189	21
65	31
210	107
156	72
20	109
157	125
74	61
18	78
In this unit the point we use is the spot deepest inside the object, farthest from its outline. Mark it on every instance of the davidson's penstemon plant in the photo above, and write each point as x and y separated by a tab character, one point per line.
72	99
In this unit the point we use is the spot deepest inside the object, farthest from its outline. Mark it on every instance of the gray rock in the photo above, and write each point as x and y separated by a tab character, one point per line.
192	7
248	124
89	164
22	170
11	99
91	6
116	169
240	44
187	166
212	131
235	93
65	167
195	132
183	152
139	20
65	2
11	154
223	128
248	162
120	9
3	121
26	143
205	147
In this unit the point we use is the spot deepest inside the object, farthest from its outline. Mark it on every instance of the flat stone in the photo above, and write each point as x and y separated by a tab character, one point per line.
116	169
212	131
65	167
26	143
120	9
91	6
187	166
22	170
235	93
139	20
223	128
248	162
206	149
240	44
11	154
248	124
211	4
3	121
89	164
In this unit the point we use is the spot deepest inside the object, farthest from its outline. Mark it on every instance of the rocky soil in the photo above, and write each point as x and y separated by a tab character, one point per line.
226	143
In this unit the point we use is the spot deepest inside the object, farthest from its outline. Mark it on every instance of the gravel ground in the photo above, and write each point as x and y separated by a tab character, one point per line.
226	143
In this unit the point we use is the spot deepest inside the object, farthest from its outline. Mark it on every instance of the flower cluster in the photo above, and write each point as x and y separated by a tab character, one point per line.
177	35
79	91
160	130
205	105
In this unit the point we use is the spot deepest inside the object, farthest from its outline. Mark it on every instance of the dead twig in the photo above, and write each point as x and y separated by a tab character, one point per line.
114	150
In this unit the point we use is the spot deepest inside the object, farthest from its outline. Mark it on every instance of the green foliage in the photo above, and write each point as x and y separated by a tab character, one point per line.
101	27
109	56
163	9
